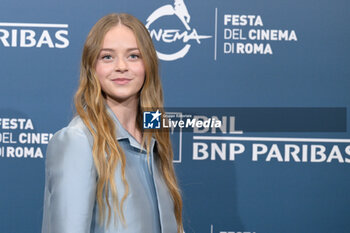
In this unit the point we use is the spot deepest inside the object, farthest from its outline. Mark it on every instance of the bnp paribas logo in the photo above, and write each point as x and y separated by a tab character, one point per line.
33	35
184	34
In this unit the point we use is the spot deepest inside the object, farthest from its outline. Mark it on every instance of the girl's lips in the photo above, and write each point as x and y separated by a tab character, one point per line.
121	80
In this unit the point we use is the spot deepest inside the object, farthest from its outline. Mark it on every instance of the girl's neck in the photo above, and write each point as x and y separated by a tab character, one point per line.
126	112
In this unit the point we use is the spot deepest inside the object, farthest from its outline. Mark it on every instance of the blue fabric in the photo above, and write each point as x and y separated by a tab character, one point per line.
70	186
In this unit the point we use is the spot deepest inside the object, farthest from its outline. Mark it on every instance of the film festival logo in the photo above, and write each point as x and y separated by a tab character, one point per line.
179	10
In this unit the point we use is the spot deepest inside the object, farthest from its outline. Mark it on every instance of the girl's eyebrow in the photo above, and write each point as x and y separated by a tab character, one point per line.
112	50
131	49
107	49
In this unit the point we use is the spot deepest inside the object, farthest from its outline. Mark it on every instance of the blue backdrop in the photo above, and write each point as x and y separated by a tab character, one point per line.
213	54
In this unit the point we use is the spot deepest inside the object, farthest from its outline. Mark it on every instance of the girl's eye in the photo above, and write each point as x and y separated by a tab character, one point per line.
134	56
106	57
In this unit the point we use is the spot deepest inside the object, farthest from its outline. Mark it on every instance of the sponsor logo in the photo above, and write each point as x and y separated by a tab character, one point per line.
219	146
179	10
33	35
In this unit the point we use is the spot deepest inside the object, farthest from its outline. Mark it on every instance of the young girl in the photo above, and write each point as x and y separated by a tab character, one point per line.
103	172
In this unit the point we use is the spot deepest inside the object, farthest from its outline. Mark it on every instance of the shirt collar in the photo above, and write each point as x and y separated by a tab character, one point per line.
122	133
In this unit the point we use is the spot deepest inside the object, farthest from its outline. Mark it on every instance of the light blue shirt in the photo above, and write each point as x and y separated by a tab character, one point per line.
70	186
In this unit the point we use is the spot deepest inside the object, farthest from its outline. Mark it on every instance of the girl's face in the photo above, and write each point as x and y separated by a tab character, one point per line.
119	66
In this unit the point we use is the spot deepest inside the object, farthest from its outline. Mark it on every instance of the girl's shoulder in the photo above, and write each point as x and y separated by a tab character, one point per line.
70	146
76	129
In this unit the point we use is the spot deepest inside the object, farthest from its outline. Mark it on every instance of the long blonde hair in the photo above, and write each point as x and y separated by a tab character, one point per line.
90	106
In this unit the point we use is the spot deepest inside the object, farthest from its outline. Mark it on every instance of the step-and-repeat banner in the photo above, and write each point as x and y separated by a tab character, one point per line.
276	74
